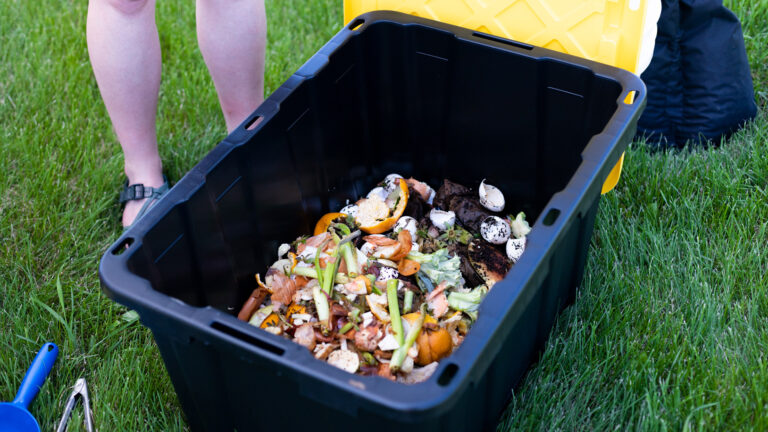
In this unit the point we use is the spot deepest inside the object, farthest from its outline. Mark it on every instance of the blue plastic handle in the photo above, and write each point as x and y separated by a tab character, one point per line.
36	374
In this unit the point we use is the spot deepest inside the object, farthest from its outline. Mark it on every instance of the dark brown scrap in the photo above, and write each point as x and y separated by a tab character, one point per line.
254	302
489	263
468	211
447	190
471	277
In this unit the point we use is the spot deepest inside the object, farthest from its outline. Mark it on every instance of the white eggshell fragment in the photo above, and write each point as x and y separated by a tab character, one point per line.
407	365
491	197
283	265
515	248
418	375
442	220
362	257
431	198
388	343
367	249
350	209
495	230
406	223
391	183
379	192
387	273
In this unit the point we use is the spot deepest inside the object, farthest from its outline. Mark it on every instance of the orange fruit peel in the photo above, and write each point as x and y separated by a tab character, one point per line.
413	316
433	344
408	267
295	309
322	225
271	321
378	223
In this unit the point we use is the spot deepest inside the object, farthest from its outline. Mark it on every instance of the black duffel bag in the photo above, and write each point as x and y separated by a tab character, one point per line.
699	83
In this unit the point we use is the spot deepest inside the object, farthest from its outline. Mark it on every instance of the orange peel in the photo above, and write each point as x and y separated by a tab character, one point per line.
433	344
322	225
387	223
270	321
294	308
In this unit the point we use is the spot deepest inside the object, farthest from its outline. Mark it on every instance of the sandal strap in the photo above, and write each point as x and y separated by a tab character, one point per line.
139	191
147	205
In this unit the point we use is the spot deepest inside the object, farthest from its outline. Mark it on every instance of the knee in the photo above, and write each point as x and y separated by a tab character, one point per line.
128	7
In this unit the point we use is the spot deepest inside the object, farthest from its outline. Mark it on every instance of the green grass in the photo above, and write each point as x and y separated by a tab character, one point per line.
668	332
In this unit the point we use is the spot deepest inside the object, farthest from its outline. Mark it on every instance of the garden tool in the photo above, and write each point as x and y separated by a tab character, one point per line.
80	391
15	416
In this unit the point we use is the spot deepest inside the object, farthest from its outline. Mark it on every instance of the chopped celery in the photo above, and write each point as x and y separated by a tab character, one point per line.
408	301
312	273
321	304
399	355
394	310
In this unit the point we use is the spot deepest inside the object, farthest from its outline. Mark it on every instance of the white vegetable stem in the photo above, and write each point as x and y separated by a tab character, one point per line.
321	304
413	333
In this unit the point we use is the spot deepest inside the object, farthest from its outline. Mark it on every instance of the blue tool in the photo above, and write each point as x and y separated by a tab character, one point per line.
14	416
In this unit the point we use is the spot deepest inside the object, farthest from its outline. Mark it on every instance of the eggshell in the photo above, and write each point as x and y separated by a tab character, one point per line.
442	220
491	197
495	230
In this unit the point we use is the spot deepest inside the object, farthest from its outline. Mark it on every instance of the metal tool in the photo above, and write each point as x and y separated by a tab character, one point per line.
79	391
15	416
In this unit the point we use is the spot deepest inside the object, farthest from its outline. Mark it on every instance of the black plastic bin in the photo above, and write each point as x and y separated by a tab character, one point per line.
389	93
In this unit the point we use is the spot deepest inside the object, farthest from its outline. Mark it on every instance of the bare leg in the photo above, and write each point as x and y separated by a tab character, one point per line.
232	35
125	54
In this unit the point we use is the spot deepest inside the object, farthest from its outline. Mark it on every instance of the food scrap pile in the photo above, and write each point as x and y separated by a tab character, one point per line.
391	284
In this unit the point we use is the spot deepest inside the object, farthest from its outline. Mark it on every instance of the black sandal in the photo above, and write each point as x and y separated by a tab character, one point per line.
139	192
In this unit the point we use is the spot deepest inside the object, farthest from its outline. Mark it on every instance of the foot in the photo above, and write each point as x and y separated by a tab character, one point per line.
133	207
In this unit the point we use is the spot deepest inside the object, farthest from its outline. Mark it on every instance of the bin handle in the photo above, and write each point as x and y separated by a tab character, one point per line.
253	123
249	338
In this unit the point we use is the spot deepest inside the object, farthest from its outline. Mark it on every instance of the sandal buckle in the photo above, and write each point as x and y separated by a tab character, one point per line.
138	191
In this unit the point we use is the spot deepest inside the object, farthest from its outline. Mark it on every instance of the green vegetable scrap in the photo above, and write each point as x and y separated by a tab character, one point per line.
519	225
439	266
394	310
468	302
322	306
408	301
399	355
456	234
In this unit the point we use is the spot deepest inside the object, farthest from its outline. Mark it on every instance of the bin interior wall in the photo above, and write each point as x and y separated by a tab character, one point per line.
393	99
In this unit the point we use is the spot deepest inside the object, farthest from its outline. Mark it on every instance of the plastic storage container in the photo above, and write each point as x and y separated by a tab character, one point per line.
615	32
389	93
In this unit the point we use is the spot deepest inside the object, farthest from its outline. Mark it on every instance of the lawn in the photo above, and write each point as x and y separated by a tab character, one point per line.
669	330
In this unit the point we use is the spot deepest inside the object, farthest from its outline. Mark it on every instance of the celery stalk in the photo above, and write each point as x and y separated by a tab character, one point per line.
350	257
347	327
312	273
399	355
330	272
321	304
318	270
394	310
408	301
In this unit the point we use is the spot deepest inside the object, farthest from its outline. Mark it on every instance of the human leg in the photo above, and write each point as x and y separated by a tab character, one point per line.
124	49
232	36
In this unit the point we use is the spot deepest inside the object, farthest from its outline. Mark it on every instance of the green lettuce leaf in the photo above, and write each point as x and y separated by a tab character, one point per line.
440	266
468	302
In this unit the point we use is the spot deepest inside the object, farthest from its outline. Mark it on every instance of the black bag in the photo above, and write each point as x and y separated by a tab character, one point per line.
699	83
